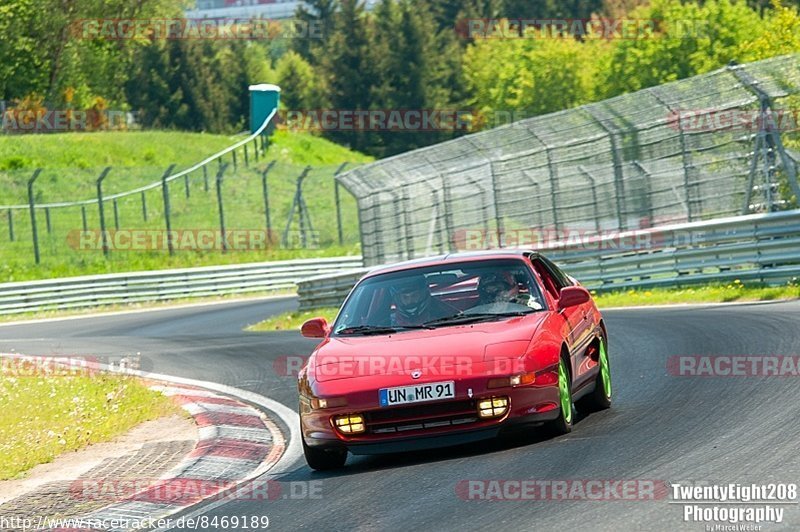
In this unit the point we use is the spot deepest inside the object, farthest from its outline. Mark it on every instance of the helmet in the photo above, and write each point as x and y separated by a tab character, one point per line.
496	287
412	296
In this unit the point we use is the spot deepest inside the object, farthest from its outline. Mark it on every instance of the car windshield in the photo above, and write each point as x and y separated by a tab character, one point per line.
438	296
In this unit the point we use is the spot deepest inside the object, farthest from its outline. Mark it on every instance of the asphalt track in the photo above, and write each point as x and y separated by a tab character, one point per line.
661	427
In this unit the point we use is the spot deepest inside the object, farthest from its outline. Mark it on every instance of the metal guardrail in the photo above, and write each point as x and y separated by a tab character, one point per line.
170	177
327	290
99	290
763	248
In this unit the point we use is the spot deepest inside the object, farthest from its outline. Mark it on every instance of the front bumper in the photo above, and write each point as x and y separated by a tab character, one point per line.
430	425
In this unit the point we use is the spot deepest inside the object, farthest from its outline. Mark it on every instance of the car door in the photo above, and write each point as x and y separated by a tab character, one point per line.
578	318
572	316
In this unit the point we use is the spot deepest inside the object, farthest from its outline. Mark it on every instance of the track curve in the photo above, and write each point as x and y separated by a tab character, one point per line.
662	427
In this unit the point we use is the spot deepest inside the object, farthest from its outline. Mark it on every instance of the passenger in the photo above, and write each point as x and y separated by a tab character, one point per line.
500	287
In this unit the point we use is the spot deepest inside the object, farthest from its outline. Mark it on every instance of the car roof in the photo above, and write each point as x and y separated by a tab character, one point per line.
469	256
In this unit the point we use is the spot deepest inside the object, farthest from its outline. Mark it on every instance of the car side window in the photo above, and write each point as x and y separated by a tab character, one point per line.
547	278
561	279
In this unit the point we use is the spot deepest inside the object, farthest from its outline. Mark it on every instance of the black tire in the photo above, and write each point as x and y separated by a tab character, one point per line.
600	398
324	459
563	423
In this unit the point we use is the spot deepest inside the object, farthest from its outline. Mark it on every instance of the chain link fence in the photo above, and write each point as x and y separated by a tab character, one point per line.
240	205
680	152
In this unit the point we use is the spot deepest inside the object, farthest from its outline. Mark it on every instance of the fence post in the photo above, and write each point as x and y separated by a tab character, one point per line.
83	219
186	185
686	156
299	204
497	216
338	202
167	214
255	149
409	237
103	234
554	188
593	184
246	156
116	215
11	225
619	178
771	135
448	215
144	206
220	175
265	192
205	177
32	207
235	166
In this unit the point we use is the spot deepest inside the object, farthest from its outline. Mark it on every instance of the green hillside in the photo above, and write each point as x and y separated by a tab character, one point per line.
72	162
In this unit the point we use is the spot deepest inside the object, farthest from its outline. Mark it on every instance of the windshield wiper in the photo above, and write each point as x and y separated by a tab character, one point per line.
366	329
378	329
460	319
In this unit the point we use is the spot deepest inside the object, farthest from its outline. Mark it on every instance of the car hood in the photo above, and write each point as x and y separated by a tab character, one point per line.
451	350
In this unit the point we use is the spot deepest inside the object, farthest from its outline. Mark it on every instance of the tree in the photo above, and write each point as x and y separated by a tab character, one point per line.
345	66
315	15
516	78
299	84
717	32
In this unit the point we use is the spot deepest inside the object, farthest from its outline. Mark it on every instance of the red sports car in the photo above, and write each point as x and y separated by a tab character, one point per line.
448	350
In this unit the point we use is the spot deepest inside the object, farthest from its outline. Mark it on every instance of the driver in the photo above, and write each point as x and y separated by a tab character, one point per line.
499	287
415	304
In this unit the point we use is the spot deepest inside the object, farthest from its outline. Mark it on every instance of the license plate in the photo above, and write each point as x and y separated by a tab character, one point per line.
432	391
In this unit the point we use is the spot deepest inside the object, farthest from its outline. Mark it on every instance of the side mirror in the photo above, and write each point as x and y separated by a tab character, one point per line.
572	296
315	328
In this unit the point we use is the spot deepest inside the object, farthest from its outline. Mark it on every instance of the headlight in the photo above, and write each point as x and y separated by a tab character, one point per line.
350	424
494	407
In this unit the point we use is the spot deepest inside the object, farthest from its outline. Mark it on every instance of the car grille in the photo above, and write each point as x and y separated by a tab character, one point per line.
421	417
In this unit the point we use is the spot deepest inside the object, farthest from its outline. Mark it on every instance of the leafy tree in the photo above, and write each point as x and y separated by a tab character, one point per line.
779	35
345	66
525	77
715	34
299	84
316	15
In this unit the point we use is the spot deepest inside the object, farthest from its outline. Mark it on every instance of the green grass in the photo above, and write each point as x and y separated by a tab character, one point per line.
150	153
142	149
292	320
43	417
735	291
661	296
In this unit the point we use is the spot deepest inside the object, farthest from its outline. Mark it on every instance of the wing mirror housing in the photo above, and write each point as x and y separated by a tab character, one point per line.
572	296
315	328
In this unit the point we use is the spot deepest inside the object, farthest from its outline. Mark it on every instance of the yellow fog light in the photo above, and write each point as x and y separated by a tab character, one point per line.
350	424
494	407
